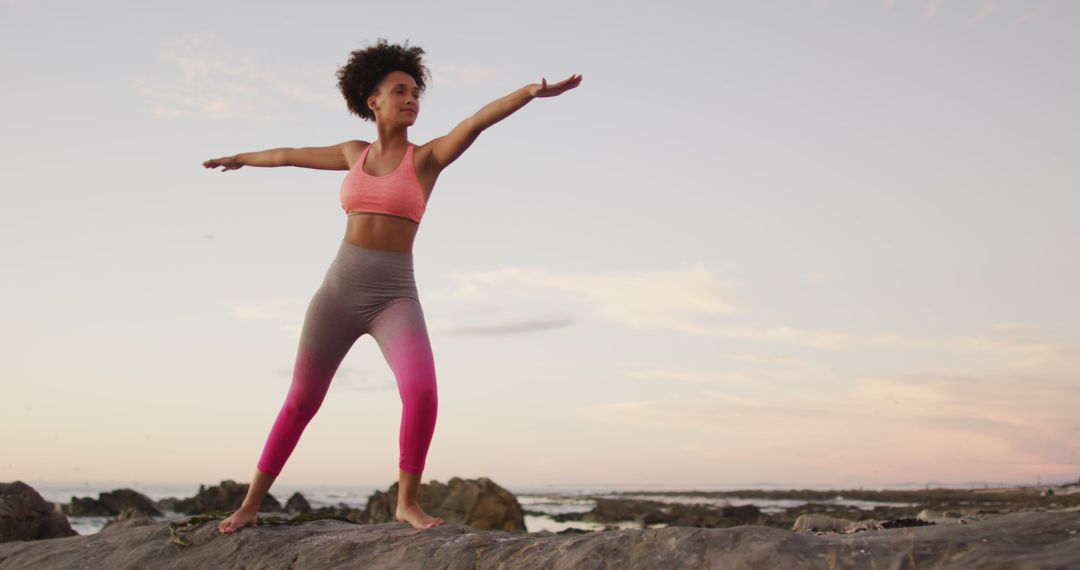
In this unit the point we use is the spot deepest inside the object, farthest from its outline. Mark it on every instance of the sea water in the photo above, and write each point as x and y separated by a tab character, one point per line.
547	500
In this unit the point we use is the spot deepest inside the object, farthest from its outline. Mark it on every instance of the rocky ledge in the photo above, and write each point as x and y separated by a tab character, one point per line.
1033	539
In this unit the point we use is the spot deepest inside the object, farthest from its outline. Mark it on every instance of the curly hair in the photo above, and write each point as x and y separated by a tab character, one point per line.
359	78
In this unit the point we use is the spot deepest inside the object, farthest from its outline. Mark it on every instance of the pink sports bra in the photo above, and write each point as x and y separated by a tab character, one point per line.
397	193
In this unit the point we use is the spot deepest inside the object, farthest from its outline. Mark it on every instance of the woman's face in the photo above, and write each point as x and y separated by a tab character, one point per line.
398	100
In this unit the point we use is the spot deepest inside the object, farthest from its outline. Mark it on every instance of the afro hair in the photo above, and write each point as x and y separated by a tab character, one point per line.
359	78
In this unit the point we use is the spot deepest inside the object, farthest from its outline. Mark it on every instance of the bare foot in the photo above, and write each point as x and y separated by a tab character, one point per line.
238	520
416	516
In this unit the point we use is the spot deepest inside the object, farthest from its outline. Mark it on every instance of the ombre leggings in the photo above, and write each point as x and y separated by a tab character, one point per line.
365	291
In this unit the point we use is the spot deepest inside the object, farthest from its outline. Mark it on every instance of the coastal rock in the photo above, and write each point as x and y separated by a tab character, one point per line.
820	523
111	504
297	504
228	496
167	504
85	507
479	503
124	499
128	518
645	513
25	515
358	516
1033	539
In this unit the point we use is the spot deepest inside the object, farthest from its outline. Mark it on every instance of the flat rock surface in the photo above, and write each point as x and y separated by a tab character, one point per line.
1036	539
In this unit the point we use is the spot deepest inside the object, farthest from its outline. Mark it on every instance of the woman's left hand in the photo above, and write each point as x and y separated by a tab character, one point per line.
545	90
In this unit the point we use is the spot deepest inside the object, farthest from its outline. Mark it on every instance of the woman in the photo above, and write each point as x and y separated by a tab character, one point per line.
369	288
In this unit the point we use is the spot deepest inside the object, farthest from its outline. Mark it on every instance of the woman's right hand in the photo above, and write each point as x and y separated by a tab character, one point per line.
225	162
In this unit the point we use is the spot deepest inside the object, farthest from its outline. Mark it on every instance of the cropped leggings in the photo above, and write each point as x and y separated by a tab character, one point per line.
365	291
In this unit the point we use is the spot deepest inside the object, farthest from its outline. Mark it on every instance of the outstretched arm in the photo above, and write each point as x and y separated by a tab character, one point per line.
446	149
322	158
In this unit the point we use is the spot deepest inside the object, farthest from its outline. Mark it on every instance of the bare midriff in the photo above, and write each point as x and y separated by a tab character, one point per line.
381	231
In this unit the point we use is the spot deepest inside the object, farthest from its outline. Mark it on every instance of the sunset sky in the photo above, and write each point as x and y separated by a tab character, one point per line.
802	243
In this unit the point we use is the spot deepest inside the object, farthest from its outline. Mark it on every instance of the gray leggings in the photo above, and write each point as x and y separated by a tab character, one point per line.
365	291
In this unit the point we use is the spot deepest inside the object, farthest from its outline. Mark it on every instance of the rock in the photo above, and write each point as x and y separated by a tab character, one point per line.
358	516
297	504
111	504
25	515
128	518
904	523
863	526
167	504
123	499
644	513
85	507
935	515
479	503
820	523
228	496
1031	539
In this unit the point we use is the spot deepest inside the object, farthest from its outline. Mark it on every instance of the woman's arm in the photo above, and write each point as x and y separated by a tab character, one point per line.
446	149
322	158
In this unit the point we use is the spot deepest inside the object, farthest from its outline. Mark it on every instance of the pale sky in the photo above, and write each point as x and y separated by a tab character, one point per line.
802	242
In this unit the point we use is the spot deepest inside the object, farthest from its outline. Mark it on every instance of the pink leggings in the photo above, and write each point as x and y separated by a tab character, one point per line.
365	291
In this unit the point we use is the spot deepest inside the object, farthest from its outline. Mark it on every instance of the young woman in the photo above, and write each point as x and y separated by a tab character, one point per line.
369	288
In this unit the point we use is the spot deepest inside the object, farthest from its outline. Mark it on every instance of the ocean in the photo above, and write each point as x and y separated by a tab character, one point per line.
547	500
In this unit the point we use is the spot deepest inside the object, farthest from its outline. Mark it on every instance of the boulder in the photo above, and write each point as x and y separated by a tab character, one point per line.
644	513
479	503
25	515
228	496
85	507
297	504
111	503
128	499
820	523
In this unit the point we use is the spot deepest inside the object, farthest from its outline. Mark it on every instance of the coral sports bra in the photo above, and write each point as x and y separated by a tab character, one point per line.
397	193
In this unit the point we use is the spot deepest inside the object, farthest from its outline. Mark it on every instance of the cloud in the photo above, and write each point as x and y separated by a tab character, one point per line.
985	11
746	377
682	300
1013	343
931	8
203	80
964	426
348	379
514	326
1027	16
639	299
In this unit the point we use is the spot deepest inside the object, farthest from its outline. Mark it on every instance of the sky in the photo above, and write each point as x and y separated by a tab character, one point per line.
806	243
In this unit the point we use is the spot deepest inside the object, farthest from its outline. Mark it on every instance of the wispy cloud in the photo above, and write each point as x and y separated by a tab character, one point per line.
1027	16
1015	343
201	79
348	379
689	300
749	377
985	11
638	299
514	326
944	424
931	8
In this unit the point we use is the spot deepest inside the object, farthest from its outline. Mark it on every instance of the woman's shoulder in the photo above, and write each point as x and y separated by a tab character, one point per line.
353	149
